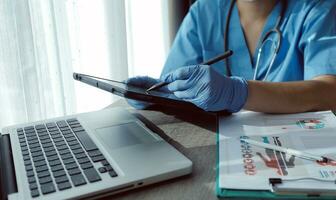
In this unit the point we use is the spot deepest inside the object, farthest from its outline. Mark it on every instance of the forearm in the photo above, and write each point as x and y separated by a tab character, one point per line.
292	97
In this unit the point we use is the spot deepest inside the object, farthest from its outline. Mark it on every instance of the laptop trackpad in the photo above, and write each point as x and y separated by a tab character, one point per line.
124	135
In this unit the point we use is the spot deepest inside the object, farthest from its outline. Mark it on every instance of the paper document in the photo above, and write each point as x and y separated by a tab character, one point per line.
247	167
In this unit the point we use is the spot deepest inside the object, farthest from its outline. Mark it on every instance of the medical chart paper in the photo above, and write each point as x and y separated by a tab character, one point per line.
246	167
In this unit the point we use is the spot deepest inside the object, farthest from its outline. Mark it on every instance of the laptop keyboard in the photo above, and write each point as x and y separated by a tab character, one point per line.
59	156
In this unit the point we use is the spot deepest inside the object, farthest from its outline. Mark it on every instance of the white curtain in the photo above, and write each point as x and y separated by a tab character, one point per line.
43	42
34	64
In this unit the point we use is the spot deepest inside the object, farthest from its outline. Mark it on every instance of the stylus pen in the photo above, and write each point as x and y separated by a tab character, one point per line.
289	151
209	62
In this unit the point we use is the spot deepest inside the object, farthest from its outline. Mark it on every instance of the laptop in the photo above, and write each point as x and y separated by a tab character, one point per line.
88	155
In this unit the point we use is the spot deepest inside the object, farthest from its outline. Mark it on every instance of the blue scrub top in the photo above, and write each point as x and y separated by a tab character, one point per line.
308	47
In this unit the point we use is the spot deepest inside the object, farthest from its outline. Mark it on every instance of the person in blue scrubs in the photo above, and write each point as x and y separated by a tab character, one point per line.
302	78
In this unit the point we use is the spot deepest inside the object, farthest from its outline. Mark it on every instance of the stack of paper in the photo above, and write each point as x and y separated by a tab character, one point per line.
243	166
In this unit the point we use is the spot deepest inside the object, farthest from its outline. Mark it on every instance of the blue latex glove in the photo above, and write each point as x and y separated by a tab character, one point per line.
142	82
207	89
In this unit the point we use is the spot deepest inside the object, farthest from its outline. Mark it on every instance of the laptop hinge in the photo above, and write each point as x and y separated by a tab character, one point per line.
7	172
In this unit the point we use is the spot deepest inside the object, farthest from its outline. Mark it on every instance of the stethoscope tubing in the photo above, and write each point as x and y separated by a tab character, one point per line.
275	30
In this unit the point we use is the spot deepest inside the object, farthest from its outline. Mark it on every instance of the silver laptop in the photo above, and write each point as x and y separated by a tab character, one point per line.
87	155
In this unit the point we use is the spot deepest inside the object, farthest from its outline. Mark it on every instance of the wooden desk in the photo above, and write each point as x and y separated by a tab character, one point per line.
197	142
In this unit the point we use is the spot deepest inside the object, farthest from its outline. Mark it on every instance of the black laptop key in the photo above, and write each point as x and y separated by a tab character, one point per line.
68	161
47	188
34	193
62	147
51	124
51	158
64	185
45	140
45	137
44	180
78	151
65	129
29	167
59	144
62	123
66	156
40	163
76	146
31	137
38	158
23	145
72	120
41	168
27	162
81	155
28	128
31	180
86	165
56	136
55	162
74	171
71	166
112	173
59	173
25	158
40	126
36	154
78	180
25	153
57	168
59	139
109	168
51	153
37	149
86	141
42	131
53	131
102	169
33	186
61	179
65	151
35	145
92	175
43	174
30	173
21	136
47	145
71	139
48	149
83	160
78	129
94	153
98	158
22	140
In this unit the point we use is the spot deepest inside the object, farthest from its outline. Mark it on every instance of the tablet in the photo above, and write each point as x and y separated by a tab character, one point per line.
136	93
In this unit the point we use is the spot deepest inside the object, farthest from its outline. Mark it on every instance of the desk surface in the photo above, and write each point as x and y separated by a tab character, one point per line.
195	137
198	143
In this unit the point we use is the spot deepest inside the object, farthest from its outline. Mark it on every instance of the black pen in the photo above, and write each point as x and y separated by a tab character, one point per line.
209	62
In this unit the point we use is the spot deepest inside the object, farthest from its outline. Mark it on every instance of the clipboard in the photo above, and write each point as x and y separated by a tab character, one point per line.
280	188
123	90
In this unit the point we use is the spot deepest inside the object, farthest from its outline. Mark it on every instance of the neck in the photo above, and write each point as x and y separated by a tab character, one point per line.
255	10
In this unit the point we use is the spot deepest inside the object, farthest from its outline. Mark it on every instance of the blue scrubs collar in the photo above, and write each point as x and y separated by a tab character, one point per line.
241	62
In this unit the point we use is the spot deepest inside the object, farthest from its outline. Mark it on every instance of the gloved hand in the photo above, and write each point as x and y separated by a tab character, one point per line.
207	89
142	82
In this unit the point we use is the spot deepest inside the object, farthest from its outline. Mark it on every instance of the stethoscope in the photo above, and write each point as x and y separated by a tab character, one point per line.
265	39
